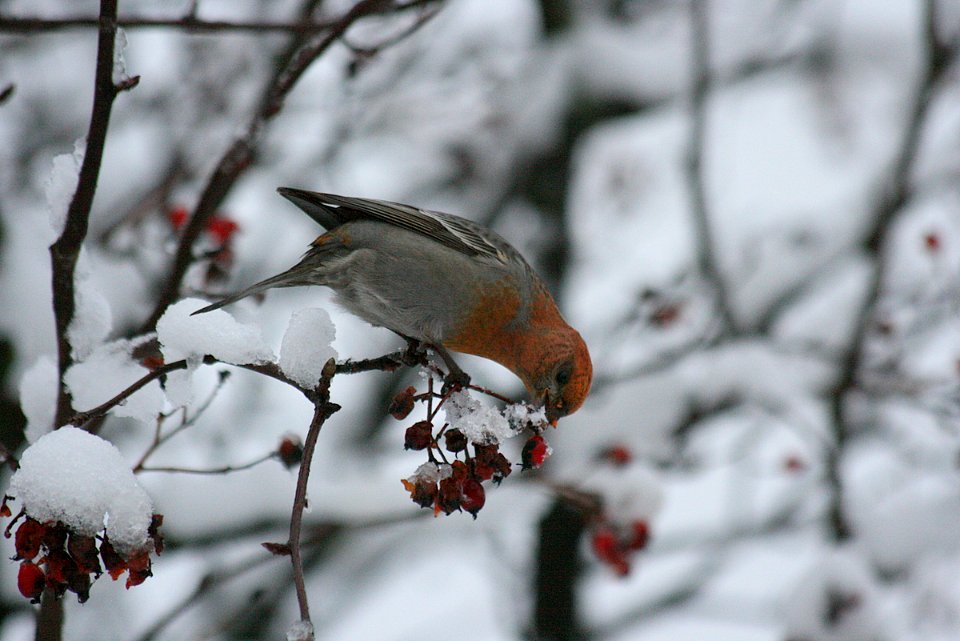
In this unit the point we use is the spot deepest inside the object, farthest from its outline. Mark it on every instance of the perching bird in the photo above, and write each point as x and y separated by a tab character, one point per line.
442	280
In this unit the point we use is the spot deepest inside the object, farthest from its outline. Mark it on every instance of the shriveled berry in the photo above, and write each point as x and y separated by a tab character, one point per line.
418	436
112	561
402	404
153	532
79	584
28	538
83	551
448	499
54	536
454	441
422	492
139	566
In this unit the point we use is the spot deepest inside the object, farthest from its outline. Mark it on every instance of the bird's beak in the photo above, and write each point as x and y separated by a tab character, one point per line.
553	408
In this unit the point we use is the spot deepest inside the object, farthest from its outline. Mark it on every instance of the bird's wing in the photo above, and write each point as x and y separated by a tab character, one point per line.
454	232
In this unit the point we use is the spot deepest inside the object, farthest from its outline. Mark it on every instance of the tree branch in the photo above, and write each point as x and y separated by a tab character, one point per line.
66	250
936	59
188	23
323	409
707	259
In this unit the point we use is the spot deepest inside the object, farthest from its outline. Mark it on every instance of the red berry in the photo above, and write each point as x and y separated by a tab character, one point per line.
30	581
222	229
932	241
618	455
607	548
290	451
535	452
472	496
639	535
177	217
665	315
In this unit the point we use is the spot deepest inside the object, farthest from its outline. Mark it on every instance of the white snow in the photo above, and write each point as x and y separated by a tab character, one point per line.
306	348
215	333
81	480
92	317
300	631
108	371
38	397
62	184
481	424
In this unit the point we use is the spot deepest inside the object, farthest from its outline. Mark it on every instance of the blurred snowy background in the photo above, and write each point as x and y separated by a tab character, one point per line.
748	207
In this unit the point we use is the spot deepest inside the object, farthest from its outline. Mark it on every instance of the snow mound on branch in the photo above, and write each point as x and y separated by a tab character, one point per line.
62	184
106	372
81	480
38	397
306	348
300	631
216	333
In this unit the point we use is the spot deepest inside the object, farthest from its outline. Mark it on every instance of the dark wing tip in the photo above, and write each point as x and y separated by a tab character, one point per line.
312	204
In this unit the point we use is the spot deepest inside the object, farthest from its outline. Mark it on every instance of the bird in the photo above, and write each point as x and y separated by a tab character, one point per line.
445	281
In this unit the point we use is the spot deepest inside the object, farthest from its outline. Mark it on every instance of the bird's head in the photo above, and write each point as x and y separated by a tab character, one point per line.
561	372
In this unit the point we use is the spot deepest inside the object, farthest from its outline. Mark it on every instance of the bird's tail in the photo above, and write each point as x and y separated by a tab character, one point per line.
291	278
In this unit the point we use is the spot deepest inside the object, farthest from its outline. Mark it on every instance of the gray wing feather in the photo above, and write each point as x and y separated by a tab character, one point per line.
454	232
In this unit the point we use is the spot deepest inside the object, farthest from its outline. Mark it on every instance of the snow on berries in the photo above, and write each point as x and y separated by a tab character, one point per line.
82	513
463	451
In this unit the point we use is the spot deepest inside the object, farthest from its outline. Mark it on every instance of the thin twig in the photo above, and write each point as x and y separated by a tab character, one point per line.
936	58
189	23
226	469
707	254
66	250
323	409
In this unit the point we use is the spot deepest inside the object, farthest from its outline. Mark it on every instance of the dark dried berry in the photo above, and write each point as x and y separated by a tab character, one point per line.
28	538
113	562
418	436
154	532
79	584
422	492
402	404
54	536
83	551
139	569
290	452
448	499
455	441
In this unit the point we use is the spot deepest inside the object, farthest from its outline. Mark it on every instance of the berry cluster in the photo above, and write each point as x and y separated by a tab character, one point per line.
615	544
55	558
220	231
452	478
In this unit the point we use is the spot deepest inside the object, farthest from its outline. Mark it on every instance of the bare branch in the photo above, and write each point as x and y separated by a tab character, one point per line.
188	23
708	261
936	58
323	409
66	250
226	469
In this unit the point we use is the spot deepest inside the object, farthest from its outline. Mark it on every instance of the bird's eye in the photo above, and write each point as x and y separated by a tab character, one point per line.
563	375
